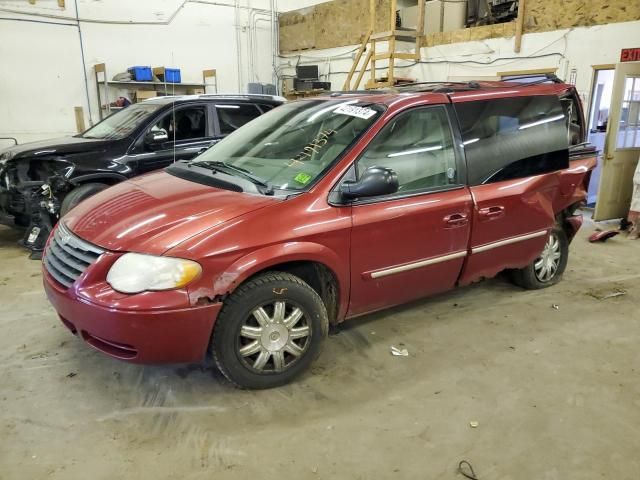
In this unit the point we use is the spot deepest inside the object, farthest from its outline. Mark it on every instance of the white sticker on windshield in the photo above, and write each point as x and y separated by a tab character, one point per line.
353	111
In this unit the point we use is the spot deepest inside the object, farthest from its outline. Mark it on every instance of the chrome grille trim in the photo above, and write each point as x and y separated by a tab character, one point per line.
68	256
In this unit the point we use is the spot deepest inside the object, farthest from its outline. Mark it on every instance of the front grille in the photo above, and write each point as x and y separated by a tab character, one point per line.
68	256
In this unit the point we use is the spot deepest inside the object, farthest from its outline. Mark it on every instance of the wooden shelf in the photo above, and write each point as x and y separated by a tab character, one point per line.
103	85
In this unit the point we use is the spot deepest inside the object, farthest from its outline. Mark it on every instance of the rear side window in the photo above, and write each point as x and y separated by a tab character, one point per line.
511	138
231	117
418	146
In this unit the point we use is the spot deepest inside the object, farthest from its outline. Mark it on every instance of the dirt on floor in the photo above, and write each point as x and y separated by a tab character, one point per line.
551	377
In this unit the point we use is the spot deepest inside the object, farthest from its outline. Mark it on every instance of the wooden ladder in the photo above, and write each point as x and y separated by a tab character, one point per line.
392	36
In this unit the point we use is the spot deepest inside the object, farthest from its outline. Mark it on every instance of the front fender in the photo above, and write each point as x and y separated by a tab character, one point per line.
267	257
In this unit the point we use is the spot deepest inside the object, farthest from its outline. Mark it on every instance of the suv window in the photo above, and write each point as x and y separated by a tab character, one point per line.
184	123
232	117
418	146
122	123
510	138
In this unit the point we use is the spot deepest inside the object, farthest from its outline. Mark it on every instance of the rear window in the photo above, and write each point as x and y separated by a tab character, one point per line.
231	117
511	138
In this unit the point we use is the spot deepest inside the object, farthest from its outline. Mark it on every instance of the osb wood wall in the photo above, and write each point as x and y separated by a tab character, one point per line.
331	24
343	22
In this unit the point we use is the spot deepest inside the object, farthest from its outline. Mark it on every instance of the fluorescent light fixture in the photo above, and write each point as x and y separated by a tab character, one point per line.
227	106
470	141
415	150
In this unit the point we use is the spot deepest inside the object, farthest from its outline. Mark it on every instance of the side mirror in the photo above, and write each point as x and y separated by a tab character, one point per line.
156	136
373	182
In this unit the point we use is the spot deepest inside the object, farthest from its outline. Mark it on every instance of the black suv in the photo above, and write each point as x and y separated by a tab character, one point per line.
41	181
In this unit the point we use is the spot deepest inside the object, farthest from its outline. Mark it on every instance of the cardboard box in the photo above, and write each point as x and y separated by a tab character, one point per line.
140	95
195	91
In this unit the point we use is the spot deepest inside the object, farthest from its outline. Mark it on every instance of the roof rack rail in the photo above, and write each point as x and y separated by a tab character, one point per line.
339	93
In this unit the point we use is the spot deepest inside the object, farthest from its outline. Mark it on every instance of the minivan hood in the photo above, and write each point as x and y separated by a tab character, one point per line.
57	146
155	212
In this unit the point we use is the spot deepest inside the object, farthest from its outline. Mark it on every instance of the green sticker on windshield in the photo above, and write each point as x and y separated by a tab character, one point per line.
302	178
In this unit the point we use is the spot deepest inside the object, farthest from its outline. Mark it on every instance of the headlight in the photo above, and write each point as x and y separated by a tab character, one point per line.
134	273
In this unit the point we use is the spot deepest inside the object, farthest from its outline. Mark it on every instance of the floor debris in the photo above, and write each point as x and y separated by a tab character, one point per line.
603	295
602	236
399	352
555	306
473	424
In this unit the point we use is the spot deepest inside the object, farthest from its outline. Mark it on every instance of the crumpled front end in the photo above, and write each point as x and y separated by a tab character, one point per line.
26	198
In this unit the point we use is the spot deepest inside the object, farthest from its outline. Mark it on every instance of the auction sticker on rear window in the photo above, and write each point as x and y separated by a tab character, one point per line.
353	111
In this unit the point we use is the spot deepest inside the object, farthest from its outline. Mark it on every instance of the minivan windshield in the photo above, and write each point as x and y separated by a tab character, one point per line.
292	145
121	124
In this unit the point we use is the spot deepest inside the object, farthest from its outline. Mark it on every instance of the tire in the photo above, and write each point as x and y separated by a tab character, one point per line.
78	194
533	278
251	342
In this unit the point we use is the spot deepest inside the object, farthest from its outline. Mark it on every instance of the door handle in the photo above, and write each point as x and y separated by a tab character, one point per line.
456	219
492	212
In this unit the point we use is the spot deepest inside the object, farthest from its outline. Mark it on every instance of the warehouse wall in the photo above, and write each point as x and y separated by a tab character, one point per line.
577	48
41	78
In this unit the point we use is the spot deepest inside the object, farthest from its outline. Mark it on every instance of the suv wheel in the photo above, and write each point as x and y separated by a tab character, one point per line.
78	194
547	269
269	331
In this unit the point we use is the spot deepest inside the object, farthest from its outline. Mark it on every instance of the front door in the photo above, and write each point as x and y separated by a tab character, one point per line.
412	243
622	144
189	131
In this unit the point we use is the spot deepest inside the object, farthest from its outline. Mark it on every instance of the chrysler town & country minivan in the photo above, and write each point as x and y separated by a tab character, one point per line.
318	211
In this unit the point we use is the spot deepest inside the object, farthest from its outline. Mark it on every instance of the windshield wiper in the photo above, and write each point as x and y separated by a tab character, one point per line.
222	166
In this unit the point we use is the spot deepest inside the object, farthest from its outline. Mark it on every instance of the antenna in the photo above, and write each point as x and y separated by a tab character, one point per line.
173	107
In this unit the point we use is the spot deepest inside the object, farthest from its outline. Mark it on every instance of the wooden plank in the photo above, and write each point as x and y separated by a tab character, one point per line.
356	61
362	70
519	25
604	66
79	114
392	16
392	49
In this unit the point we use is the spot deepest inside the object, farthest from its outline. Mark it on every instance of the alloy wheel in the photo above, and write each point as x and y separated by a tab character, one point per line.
273	337
546	265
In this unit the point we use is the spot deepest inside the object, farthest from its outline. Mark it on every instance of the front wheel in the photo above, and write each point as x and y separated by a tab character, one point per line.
78	194
269	331
547	269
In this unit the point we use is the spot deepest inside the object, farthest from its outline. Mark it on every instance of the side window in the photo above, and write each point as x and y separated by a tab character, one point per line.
509	138
184	123
418	146
231	117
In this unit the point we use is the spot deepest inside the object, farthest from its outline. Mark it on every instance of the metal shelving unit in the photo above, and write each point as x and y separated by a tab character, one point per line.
103	85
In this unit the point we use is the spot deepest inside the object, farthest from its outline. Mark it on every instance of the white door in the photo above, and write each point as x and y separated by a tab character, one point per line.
622	144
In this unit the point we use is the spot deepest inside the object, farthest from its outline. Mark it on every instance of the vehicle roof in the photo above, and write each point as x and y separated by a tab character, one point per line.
219	97
456	91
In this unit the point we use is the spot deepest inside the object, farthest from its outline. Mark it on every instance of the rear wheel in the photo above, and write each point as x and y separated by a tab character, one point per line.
269	331
547	269
78	194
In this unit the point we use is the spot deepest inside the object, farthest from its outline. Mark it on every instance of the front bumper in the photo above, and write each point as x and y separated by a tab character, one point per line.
137	336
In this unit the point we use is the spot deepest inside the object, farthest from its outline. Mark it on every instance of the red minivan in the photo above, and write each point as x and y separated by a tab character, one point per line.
322	210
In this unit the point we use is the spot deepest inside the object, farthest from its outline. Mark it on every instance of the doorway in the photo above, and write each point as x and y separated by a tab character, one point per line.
601	91
621	144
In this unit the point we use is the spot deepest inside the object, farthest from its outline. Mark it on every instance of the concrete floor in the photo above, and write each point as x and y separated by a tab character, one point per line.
556	392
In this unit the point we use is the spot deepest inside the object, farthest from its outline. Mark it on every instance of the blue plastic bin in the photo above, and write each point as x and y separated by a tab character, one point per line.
141	74
172	75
